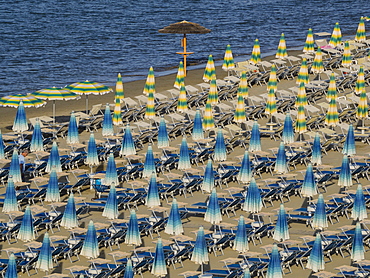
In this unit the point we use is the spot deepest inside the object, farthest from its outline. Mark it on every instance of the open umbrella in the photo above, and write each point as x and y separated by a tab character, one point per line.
197	133
359	211
332	89
14	170
111	206
288	132
128	145
228	63
255	140
150	106
180	77
149	165
36	141
309	187
345	176
117	115
27	101
209	178
163	140
309	46
245	171
281	231
182	104
200	252
349	147
88	88
52	191
107	128
213	94
26	231
210	71
300	124
159	264
119	89
358	249
174	225
272	83
90	247
274	269
241	238
316	151
360	82
69	219
316	259
301	96
256	53
281	160
72	135
320	220
208	120
318	65
20	121
346	56
45	261
11	270
129	272
361	33
253	200
54	159
213	212
239	115
133	234
92	152
303	73
152	197
336	37
111	176
2	146
362	108
184	158
270	108
281	52
243	85
219	153
10	201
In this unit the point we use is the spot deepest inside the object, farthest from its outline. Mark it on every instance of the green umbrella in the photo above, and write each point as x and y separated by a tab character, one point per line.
150	82
331	118
14	100
282	53
210	71
180	76
301	96
309	45
332	89
303	73
361	33
346	56
243	85
336	37
256	53
228	63
272	83
360	83
318	65
119	89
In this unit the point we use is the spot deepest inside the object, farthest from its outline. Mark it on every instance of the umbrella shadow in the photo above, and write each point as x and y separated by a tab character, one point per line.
58	268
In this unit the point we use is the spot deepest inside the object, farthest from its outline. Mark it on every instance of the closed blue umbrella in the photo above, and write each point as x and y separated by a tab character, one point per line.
241	238
20	121
174	224
209	177
36	141
111	206
45	261
345	176
152	198
246	273
213	212
245	172
198	133
128	145
281	160
11	271
92	152
52	191
316	151
316	259
133	234
111	176
90	248
309	187
274	269
358	250
107	129
220	147
10	201
288	132
14	170
320	220
26	231
149	165
349	147
184	159
2	146
253	200
359	206
72	135
281	232
54	159
69	219
159	264
255	141
129	272
163	140
200	252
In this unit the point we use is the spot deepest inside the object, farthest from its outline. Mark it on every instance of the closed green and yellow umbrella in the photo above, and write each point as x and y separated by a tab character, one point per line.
208	121
336	36
331	118
239	115
119	88
210	71
309	46
117	115
228	63
182	104
271	103
180	77
346	56
243	85
213	93
272	83
332	89
360	83
150	82
28	101
303	73
301	96
318	65
362	108
150	109
281	52
361	33
256	53
300	124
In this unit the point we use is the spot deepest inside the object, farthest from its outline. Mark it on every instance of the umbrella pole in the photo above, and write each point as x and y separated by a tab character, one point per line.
87	104
54	111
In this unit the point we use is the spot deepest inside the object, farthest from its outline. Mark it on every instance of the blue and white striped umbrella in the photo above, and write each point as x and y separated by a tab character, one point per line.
253	200
107	129
197	133
345	176
288	132
15	170
26	231
45	261
11	271
69	219
149	165
246	273
36	141
129	272
184	159
219	153
111	176
320	220
209	177
281	231
111	206
358	250
52	191
245	172
128	145
213	212
316	259
255	141
90	248
316	151
174	224
159	264
54	159
349	147
274	269
309	187
281	166
72	135
163	140
92	152
241	238
200	252
20	121
2	146
152	197
359	211
133	234
10	201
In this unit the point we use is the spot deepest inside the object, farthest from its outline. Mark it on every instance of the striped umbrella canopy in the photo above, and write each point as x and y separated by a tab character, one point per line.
309	187
119	89
255	141
45	260
54	159
209	177
331	118
69	219
92	152
128	145
184	158
88	88
332	89
316	259
271	103
243	85
107	128
197	133
52	190
163	140
301	96
26	231
150	106
253	200
2	146
174	225
345	176
360	83
336	36
245	171
20	121
281	160
72	135
220	153
316	158
117	114
358	249
318	65
272	83
361	33
213	93
152	197
133	234
320	221
27	101
111	176
288	132
359	211
182	103
210	70
11	270
55	94
281	231
111	206
281	52
149	165
239	115
309	46
256	53
362	108
90	247
159	268
274	269
36	141
129	272
213	212
303	73
346	56
14	170
300	124
10	201
200	252
349	147
241	238
150	82
180	77
228	63
208	120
